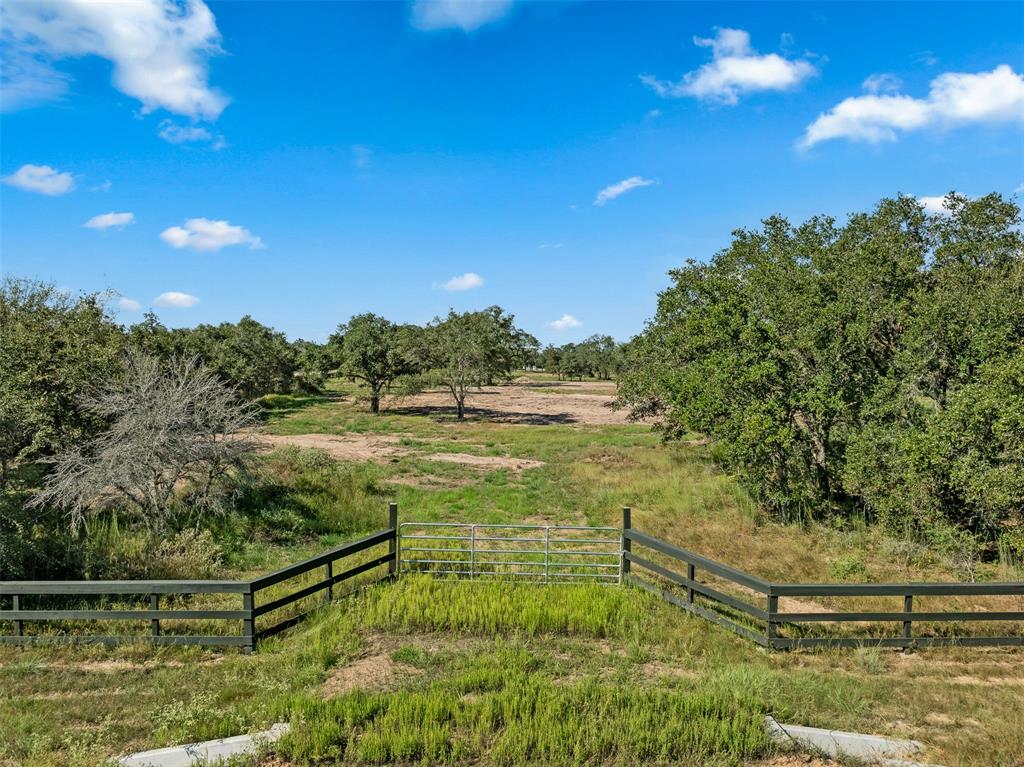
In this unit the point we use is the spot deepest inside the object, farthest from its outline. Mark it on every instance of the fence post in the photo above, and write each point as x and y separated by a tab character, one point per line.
248	623
908	607
19	625
547	554
627	524
769	628
154	623
691	574
472	551
393	541
329	574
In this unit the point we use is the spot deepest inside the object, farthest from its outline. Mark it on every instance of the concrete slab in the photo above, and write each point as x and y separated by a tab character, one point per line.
871	748
209	752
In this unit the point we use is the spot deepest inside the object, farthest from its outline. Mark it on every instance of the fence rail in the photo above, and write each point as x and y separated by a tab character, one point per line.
277	587
763	624
743	603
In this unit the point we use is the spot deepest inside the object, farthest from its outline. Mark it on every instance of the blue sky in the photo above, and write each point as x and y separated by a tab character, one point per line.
303	162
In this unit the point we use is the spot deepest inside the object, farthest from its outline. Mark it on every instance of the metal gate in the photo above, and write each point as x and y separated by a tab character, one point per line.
537	553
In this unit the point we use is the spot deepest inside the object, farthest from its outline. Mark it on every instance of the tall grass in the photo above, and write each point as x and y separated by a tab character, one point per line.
500	711
423	603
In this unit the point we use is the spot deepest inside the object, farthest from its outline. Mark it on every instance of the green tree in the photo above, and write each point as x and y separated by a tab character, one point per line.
247	355
373	350
824	362
54	348
463	351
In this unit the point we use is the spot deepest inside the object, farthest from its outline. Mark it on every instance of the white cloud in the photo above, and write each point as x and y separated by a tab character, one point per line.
466	281
467	15
25	80
882	82
180	134
104	187
954	98
735	69
131	305
565	322
42	179
551	245
159	48
934	205
613	191
107	220
175	300
204	234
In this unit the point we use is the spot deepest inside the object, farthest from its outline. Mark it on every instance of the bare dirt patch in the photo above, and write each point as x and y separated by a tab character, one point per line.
346	447
429	481
575	403
486	462
655	670
371	672
794	760
385	448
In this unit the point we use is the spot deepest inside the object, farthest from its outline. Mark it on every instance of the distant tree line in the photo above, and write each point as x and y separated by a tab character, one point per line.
596	357
872	368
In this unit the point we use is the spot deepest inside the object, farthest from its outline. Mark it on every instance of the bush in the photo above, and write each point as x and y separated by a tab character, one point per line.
306	492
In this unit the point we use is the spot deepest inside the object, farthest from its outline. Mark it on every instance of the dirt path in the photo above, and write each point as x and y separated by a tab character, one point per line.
554	402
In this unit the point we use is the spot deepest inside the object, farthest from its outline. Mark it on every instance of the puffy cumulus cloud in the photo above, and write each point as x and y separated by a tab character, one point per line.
735	69
205	234
41	179
466	281
159	49
614	190
174	299
565	322
954	98
130	304
467	15
108	220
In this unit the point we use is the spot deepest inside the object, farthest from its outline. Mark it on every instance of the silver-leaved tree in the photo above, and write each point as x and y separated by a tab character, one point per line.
175	445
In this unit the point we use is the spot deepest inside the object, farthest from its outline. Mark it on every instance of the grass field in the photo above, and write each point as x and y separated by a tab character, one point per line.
421	671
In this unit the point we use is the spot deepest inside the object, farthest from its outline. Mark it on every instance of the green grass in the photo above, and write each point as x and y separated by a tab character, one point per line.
503	710
499	673
422	603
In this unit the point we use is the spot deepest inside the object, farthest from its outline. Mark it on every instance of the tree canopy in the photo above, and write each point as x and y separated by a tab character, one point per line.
871	366
372	349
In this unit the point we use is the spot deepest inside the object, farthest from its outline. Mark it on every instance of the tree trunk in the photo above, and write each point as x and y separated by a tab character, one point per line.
375	403
460	405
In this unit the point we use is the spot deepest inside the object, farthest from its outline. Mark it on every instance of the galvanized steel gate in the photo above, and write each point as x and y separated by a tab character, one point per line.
536	553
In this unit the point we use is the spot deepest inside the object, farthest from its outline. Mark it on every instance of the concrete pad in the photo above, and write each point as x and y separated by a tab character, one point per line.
872	748
208	752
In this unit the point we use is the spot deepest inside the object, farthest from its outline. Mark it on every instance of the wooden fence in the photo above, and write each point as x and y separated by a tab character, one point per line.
681	577
678	583
266	595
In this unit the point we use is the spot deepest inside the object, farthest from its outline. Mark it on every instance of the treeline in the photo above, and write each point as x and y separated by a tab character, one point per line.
56	348
596	357
874	368
125	450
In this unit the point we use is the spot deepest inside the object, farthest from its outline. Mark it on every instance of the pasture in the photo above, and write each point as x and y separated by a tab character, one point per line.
426	671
